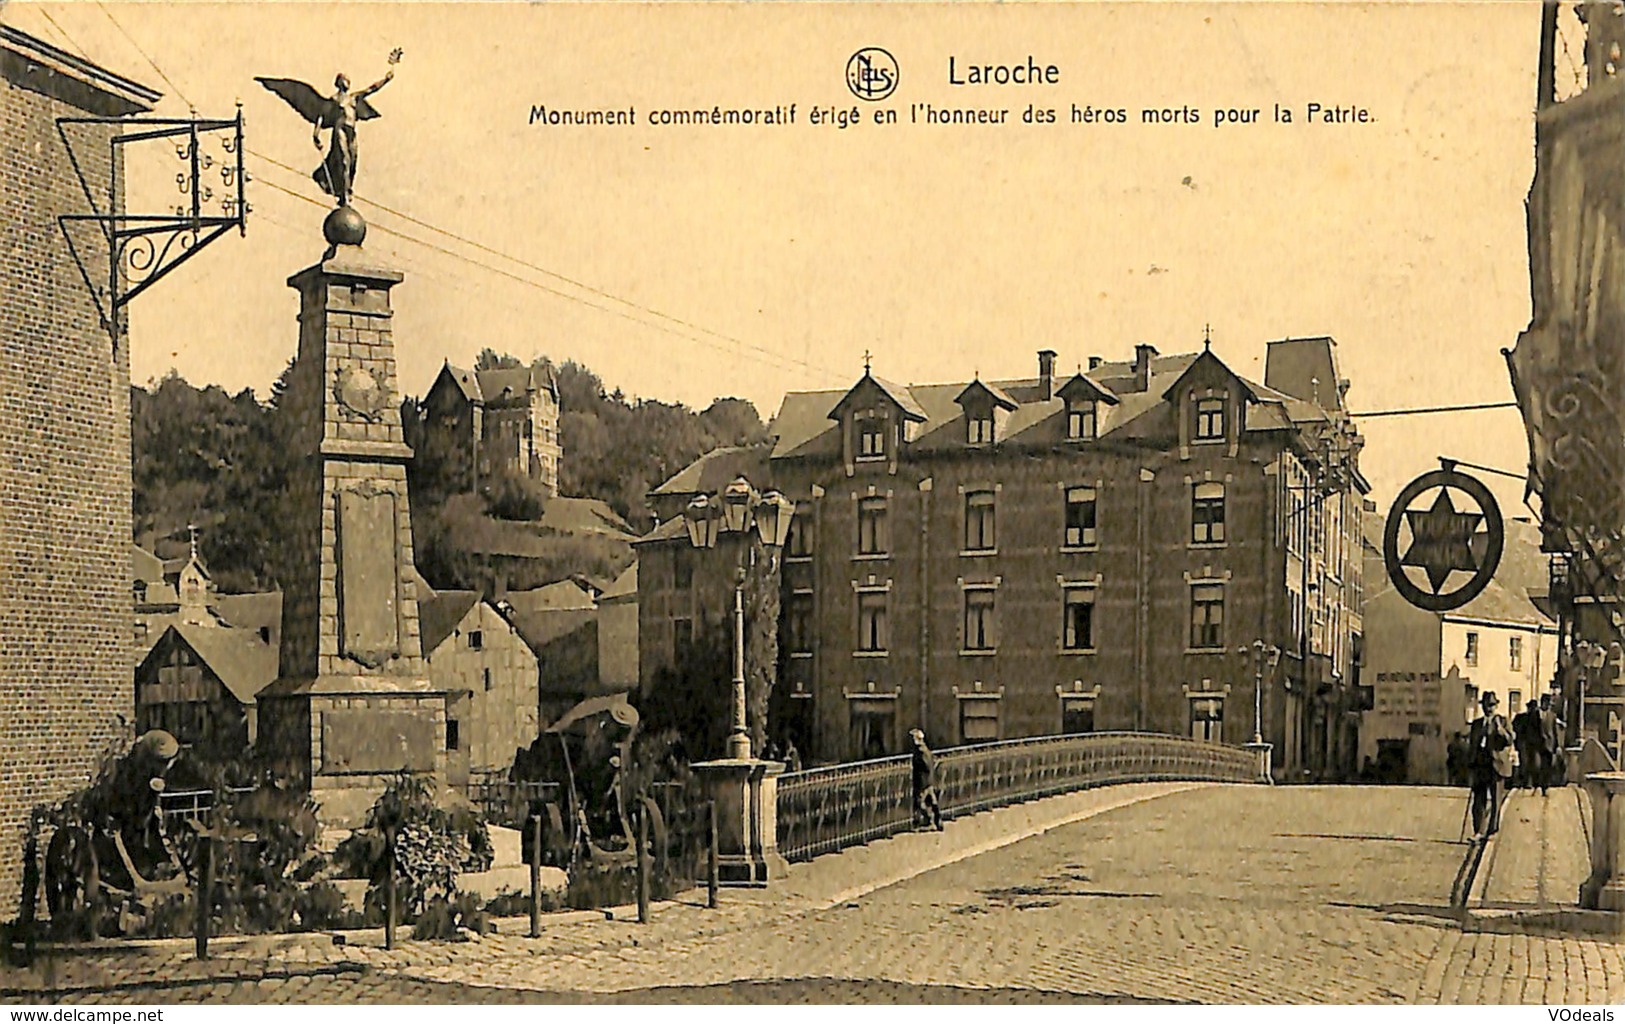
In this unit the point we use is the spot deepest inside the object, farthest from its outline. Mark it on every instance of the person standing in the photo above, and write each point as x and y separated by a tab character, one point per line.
1489	746
926	808
1551	731
1526	732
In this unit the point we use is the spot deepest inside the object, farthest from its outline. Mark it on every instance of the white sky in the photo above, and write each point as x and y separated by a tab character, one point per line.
944	250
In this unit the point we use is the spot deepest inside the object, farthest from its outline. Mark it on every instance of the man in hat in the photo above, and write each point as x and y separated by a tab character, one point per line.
1489	747
925	782
1527	734
1551	733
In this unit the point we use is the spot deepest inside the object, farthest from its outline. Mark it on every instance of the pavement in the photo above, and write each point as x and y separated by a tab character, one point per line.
1177	892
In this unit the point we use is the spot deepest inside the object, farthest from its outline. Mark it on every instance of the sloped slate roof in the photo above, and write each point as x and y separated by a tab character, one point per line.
145	566
560	596
625	586
244	663
514	381
439	615
716	469
803	426
251	611
465	380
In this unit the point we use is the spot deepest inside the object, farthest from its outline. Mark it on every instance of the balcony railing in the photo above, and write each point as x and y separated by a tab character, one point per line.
826	809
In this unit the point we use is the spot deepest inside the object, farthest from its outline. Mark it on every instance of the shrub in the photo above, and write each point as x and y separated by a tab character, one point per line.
321	906
512	496
444	918
433	845
600	884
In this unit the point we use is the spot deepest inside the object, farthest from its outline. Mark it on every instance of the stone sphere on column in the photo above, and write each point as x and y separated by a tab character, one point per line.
344	226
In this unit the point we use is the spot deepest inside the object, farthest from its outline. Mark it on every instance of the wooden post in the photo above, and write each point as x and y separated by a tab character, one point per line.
31	884
536	876
205	895
93	888
712	878
643	866
389	888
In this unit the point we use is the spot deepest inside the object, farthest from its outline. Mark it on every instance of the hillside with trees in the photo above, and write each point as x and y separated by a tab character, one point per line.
221	462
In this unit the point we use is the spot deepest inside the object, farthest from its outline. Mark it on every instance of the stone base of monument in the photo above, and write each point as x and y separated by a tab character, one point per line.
1605	889
746	794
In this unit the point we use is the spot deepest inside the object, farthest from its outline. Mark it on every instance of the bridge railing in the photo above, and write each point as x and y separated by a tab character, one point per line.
821	810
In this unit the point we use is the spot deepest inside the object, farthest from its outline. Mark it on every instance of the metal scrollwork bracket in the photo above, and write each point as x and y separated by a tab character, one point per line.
141	249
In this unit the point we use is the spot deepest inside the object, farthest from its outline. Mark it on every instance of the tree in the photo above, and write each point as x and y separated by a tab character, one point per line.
489	359
695	696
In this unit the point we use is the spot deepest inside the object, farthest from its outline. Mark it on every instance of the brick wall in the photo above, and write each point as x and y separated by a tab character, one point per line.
64	481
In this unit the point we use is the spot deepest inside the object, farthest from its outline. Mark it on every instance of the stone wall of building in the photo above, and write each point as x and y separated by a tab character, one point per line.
65	487
499	714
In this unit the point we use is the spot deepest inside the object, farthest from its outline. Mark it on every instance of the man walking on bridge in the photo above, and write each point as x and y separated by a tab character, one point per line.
926	807
1489	745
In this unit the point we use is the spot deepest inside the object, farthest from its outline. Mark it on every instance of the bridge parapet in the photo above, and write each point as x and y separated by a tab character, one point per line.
825	809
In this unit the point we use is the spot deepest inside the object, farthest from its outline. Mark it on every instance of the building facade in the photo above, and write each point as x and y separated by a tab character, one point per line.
64	440
495	421
477	656
1000	559
201	683
1427	670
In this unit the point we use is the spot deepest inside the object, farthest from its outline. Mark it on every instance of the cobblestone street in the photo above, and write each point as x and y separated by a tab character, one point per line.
1206	894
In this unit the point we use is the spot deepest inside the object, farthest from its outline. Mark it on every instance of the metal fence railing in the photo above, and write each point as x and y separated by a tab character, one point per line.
507	803
821	810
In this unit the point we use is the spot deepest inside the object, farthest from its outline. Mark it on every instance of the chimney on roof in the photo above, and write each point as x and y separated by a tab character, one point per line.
1046	373
1094	363
1143	354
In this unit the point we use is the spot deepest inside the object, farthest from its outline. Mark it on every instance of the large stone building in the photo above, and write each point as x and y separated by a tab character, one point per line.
999	559
64	443
494	421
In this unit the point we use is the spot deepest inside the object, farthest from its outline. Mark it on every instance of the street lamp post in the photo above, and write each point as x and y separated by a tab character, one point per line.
1262	654
744	789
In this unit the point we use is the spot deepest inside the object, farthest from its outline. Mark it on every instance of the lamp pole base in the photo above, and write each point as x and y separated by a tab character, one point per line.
746	792
1605	889
1261	753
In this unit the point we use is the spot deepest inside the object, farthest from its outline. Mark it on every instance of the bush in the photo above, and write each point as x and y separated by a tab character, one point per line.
444	918
509	903
512	496
174	918
321	907
433	845
594	885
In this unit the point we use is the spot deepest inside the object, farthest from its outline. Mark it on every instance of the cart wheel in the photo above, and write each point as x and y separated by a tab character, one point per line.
67	870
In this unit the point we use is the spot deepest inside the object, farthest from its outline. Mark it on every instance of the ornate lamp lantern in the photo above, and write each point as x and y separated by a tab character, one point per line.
737	500
773	514
701	518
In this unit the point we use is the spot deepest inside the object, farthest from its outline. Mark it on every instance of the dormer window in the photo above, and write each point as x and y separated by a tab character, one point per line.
979	427
1210	419
871	438
1080	421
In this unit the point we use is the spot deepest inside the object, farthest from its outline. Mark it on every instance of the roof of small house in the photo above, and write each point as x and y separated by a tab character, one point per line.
439	615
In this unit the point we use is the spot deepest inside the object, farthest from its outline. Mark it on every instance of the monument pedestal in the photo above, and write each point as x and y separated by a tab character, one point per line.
746	792
353	706
1262	753
1605	889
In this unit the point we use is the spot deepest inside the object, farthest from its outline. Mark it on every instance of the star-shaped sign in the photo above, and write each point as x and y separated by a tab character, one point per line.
1442	540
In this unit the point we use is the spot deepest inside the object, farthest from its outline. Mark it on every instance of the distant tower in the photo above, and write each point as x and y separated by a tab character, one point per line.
547	451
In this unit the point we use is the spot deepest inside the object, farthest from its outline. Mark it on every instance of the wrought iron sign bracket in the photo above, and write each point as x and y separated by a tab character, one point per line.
143	248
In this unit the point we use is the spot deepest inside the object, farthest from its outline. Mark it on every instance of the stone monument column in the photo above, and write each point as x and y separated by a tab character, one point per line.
353	705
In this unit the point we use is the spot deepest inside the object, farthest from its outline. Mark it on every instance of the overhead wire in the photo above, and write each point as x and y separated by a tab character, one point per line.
738	345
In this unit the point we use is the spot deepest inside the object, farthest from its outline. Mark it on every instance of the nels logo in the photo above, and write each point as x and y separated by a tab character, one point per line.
871	74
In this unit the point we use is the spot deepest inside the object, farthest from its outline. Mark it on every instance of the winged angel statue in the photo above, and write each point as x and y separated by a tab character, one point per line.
340	113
